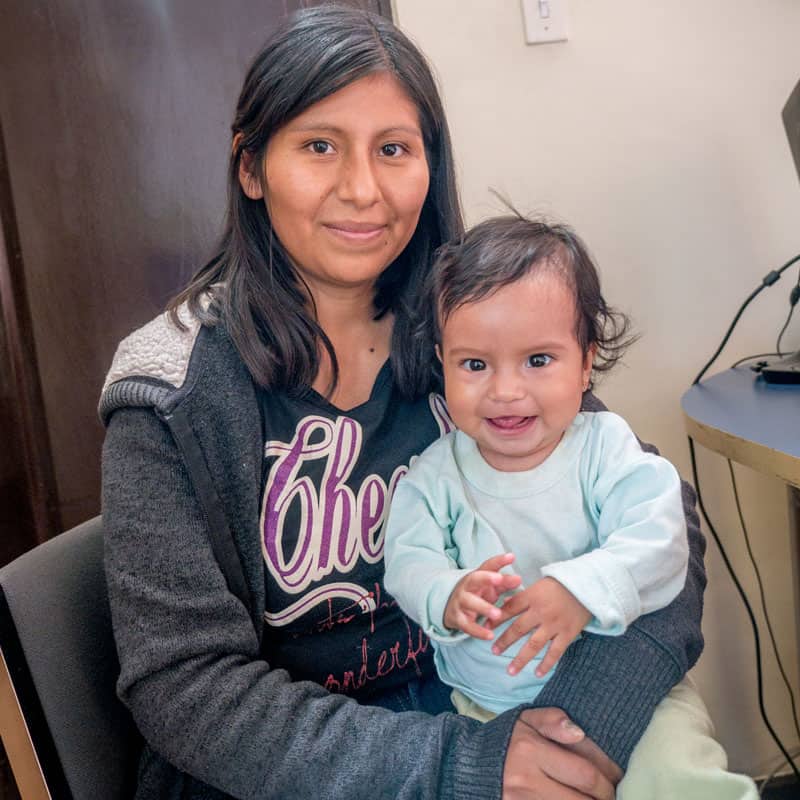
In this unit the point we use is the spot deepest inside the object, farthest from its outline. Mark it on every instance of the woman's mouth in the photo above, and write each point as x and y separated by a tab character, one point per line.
356	232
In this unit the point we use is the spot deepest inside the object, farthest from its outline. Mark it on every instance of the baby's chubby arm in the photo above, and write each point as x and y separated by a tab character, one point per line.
640	559
421	571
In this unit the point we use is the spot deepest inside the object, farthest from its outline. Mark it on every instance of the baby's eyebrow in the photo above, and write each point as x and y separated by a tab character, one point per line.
538	347
466	351
542	346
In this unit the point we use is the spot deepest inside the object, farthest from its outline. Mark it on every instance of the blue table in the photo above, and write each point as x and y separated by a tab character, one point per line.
757	424
747	420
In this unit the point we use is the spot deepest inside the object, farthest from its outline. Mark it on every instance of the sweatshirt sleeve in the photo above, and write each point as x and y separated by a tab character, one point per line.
201	693
639	563
420	573
610	686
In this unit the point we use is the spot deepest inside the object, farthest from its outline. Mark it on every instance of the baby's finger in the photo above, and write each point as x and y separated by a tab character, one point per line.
521	626
554	652
473	628
496	563
478	606
508	582
494	593
528	652
514	605
485	579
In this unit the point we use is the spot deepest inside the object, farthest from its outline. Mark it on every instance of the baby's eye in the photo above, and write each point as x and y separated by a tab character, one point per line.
473	364
392	150
320	147
539	360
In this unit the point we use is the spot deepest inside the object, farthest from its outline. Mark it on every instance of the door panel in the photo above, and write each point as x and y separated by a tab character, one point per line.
116	119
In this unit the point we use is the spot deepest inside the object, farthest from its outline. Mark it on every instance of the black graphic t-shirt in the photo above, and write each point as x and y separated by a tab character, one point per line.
329	476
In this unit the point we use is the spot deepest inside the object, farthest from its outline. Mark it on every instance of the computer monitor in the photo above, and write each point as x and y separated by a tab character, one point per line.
787	369
791	121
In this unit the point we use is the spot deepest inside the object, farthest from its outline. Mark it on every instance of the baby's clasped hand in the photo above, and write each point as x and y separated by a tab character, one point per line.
554	615
475	596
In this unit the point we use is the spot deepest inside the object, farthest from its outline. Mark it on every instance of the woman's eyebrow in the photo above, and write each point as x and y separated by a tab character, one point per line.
401	129
320	126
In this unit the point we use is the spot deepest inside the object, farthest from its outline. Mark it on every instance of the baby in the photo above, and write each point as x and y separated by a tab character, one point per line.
530	491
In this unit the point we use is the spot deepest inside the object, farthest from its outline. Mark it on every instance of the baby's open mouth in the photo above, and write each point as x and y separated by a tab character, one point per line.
509	423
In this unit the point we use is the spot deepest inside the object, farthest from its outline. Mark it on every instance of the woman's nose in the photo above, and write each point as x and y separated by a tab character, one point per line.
358	182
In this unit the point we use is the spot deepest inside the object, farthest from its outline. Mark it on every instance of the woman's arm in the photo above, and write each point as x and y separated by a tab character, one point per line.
205	700
193	677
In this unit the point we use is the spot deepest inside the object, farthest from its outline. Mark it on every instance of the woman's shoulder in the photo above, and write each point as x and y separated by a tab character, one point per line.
159	350
163	359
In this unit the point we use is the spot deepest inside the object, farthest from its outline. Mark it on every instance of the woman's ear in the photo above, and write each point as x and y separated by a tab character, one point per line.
248	175
438	353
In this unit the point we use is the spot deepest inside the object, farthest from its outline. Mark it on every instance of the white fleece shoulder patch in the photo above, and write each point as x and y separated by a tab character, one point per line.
157	350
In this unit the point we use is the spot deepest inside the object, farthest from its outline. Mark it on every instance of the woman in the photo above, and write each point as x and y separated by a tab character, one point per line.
255	436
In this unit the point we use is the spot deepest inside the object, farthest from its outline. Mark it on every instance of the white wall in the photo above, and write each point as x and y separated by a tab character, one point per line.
656	131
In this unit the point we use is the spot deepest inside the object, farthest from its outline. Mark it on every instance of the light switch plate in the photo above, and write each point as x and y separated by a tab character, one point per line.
545	20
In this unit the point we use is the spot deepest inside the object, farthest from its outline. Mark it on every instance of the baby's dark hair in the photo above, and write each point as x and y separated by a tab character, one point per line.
504	249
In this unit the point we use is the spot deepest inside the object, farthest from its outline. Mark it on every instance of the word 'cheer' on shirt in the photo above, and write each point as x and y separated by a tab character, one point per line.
328	480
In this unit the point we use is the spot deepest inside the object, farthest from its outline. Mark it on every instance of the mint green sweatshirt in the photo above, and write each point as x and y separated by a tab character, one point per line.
600	515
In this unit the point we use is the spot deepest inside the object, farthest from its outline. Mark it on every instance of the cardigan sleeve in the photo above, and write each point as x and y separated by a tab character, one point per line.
593	681
198	688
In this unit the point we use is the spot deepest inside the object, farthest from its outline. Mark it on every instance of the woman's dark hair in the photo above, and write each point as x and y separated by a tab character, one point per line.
502	250
261	299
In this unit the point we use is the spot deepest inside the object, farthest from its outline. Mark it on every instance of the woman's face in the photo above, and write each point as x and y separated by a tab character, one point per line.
345	182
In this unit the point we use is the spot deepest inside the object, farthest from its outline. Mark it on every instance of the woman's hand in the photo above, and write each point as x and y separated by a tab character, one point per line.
475	596
548	756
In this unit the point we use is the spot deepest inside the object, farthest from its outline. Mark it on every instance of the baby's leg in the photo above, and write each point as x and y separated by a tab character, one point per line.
678	757
469	708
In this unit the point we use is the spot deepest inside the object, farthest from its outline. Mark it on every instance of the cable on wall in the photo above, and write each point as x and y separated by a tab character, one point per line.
770	278
794	296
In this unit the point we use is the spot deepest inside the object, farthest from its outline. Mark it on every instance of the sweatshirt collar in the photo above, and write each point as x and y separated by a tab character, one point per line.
486	478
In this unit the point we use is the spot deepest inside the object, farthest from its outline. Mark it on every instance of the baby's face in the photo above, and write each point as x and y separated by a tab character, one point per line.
514	372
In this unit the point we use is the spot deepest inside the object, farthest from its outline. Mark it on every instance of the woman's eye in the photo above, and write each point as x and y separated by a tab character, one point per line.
392	150
473	364
539	360
320	148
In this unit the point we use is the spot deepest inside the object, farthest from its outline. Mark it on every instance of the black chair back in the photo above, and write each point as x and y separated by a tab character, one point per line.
60	660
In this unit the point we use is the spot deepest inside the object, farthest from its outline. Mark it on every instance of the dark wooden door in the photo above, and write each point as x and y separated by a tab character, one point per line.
114	136
116	120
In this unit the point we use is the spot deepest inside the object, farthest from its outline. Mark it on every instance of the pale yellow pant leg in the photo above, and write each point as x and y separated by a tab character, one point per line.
469	708
678	758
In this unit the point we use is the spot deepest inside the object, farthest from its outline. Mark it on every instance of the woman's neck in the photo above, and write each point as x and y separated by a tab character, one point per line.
361	343
339	313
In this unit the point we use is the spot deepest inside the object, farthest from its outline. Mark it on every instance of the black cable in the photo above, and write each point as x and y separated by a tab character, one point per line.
793	298
767	280
747	358
743	595
763	598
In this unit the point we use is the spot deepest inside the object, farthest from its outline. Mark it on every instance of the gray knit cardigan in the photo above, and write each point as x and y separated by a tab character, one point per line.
181	492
